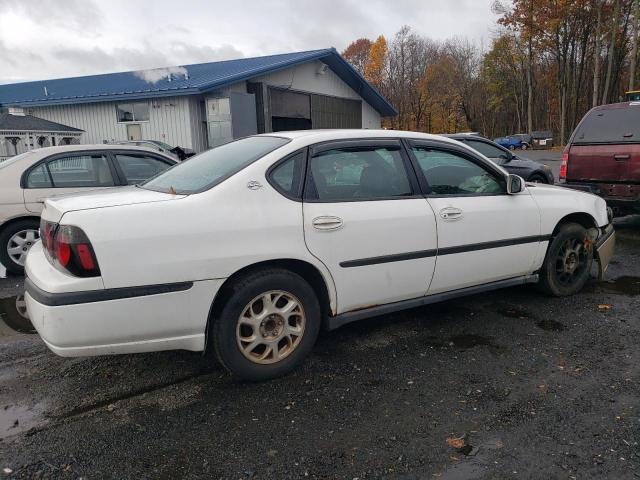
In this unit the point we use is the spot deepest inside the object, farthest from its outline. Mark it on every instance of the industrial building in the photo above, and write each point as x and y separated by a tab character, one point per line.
203	105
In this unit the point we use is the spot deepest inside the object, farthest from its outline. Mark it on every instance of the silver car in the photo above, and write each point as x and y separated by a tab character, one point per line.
26	180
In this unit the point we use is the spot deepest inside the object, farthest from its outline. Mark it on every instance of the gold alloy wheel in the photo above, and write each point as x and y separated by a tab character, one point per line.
270	327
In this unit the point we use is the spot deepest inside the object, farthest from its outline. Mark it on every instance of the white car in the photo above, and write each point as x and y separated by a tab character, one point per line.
249	247
26	180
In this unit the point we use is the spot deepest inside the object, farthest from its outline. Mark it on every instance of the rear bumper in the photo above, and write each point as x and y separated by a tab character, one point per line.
630	200
122	320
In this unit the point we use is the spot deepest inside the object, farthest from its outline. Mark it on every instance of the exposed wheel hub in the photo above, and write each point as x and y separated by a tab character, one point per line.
570	262
272	326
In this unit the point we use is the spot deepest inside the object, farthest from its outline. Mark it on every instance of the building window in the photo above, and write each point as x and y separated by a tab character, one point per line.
133	112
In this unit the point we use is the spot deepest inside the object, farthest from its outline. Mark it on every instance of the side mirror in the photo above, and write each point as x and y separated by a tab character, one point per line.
515	184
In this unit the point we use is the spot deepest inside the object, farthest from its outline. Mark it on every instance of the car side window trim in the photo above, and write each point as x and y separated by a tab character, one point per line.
311	196
296	196
454	150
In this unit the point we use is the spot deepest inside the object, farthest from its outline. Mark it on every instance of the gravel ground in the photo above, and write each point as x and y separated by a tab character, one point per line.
510	384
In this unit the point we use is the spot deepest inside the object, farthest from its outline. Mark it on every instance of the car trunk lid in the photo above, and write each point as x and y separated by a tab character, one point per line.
55	207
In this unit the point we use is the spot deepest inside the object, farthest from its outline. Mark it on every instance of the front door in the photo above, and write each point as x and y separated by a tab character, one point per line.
364	219
134	131
484	234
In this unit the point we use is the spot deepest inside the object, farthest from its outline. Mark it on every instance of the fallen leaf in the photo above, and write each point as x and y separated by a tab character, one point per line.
456	442
604	306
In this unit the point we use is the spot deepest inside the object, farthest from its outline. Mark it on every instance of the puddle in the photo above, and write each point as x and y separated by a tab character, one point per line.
16	419
625	285
13	317
550	325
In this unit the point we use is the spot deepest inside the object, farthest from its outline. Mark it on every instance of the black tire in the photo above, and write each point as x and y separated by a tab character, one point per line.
15	315
511	147
537	178
554	278
524	146
239	295
6	234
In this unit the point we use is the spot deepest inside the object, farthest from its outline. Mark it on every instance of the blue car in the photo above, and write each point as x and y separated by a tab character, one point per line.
512	142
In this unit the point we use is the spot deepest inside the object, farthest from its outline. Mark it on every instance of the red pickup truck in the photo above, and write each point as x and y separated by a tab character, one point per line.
603	156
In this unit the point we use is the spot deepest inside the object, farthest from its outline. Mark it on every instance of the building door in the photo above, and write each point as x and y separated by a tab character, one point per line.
134	131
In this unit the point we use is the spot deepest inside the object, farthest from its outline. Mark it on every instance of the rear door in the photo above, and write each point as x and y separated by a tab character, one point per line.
136	167
66	173
365	219
606	147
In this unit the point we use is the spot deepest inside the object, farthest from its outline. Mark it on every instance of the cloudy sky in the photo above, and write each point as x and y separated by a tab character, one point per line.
42	39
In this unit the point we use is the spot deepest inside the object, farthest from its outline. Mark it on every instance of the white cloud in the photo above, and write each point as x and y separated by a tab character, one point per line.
42	39
154	75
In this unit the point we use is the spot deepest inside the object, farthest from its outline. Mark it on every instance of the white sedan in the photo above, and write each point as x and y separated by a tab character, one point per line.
249	248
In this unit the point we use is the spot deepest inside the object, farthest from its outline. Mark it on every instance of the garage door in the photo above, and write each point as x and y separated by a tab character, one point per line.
332	112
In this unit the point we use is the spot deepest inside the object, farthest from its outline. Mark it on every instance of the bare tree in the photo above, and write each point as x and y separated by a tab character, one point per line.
596	55
612	47
634	46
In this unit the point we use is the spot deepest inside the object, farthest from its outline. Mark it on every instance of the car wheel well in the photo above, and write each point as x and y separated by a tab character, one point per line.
581	218
306	270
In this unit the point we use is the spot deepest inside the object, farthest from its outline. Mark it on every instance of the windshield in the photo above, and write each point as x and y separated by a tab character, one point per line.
6	163
166	146
211	167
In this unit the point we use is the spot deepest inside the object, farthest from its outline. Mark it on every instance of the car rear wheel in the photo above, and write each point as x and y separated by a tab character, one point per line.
524	146
537	178
511	147
268	325
567	264
15	242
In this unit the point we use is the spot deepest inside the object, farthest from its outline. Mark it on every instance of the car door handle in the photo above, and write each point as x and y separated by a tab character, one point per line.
327	223
451	213
622	157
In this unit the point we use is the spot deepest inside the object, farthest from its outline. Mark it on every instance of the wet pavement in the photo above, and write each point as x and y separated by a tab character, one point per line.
507	384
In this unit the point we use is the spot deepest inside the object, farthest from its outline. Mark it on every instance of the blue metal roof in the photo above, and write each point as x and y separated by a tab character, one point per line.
202	77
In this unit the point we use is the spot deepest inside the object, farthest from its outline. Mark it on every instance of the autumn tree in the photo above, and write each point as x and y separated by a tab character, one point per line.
374	69
357	54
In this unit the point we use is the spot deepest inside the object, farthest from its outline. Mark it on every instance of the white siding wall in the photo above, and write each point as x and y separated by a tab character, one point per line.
169	120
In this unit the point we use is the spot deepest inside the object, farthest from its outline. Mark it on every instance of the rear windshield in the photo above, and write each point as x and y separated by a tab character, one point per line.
213	166
617	125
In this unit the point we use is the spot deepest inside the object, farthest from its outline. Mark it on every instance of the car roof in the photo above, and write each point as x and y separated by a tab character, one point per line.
40	153
313	136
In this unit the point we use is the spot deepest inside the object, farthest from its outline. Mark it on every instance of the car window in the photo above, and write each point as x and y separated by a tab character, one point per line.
39	178
286	176
80	171
138	168
616	125
450	174
486	149
211	167
359	173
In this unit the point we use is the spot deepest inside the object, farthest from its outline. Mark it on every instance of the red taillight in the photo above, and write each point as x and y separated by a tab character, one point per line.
563	165
68	248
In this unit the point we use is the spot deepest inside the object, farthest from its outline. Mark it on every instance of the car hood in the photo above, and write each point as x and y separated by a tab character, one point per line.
56	206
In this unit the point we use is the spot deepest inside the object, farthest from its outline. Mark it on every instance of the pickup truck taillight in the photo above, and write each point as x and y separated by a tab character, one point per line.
68	248
564	164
